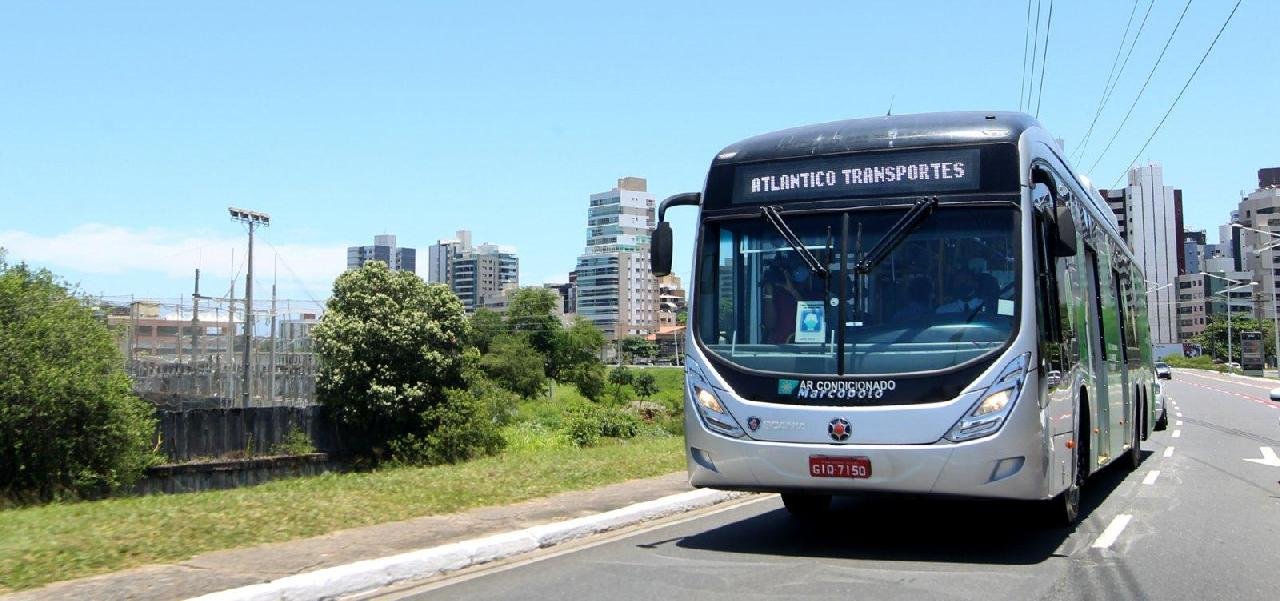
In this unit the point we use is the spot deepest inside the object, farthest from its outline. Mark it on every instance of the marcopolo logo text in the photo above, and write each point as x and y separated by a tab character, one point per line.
840	389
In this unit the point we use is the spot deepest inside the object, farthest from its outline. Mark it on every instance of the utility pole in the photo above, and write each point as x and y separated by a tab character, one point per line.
252	219
271	363
195	322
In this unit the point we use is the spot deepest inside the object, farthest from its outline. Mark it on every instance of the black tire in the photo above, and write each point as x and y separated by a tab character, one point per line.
1133	459
803	506
1063	511
1162	423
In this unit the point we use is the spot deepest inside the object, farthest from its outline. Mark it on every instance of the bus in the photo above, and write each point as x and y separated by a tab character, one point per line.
931	304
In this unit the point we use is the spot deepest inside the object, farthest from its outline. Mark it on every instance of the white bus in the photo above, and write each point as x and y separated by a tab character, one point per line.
927	303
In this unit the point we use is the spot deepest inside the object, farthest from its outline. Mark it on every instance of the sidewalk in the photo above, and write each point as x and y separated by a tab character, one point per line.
221	570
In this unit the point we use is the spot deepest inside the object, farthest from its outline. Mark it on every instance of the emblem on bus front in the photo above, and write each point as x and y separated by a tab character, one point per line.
838	429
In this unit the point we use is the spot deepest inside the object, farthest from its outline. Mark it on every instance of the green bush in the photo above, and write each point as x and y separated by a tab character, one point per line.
70	424
1201	362
468	424
583	429
516	365
294	442
389	346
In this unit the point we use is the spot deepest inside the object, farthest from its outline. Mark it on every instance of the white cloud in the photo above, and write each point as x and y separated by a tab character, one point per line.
109	250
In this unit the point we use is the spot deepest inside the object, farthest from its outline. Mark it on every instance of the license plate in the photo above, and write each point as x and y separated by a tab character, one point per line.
825	466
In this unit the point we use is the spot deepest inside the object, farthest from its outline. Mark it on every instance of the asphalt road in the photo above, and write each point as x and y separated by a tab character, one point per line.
1196	521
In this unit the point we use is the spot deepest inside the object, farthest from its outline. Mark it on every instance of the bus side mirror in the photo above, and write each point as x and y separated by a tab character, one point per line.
1065	230
660	242
660	250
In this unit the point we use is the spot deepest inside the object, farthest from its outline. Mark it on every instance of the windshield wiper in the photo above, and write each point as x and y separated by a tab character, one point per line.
772	215
896	234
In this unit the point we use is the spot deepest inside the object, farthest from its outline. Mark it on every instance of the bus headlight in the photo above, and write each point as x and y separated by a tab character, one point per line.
994	405
713	412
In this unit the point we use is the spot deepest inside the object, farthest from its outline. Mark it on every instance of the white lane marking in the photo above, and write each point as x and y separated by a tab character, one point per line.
1109	536
1168	452
1178	423
1179	414
1268	457
1177	433
1151	477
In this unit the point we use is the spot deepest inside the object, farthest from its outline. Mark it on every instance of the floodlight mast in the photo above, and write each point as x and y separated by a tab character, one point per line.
252	219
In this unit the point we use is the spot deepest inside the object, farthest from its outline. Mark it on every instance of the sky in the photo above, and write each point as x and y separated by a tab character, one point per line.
127	129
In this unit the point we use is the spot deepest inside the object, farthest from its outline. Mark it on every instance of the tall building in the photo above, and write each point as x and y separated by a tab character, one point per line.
671	299
1260	210
1149	214
384	249
616	290
1193	251
441	254
480	275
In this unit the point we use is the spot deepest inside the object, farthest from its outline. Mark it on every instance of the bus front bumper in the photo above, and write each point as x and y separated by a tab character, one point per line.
994	467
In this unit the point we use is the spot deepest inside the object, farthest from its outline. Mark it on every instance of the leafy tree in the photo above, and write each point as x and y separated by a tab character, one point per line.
1213	340
69	421
620	375
637	346
485	325
576	349
389	346
645	384
532	314
515	365
682	317
589	378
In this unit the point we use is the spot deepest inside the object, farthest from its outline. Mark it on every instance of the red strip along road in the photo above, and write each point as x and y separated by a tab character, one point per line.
1259	400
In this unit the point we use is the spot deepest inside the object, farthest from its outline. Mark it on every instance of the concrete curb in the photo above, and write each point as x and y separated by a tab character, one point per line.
364	576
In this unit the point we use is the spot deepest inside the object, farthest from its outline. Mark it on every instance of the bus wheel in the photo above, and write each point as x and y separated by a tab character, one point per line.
806	506
1134	458
1064	509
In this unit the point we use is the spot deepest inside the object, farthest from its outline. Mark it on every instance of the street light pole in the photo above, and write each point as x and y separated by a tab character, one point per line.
1227	294
252	219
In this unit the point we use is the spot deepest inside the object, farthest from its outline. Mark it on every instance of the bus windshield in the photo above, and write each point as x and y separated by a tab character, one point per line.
945	295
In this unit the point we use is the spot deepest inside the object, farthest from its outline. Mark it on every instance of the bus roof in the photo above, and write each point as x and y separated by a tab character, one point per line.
880	133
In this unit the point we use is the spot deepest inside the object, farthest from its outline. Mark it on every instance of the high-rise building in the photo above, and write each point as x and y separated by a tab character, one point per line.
441	254
480	275
1193	249
671	299
616	290
1149	214
384	249
1256	252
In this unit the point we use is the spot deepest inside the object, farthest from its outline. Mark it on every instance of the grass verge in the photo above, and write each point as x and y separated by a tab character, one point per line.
61	541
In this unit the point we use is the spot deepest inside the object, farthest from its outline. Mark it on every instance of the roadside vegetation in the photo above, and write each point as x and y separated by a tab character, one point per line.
442	412
1201	362
60	541
70	425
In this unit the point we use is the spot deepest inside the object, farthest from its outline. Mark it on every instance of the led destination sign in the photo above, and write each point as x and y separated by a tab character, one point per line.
858	175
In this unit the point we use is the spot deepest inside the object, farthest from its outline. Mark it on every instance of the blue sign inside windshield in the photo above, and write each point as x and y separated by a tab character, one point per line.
858	175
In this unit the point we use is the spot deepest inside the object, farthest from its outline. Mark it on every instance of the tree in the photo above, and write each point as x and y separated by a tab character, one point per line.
515	365
69	421
620	377
531	313
576	348
645	384
589	378
389	346
637	346
1213	340
485	325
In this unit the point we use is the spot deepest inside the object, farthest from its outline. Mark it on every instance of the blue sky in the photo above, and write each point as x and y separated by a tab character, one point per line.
126	129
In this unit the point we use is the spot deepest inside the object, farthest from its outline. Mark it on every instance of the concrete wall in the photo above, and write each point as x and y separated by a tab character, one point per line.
218	432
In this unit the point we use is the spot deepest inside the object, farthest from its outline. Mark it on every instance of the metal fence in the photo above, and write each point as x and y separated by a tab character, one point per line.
192	353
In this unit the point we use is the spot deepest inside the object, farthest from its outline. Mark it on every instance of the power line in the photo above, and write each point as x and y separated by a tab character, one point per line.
1035	47
1044	58
1150	74
1184	86
1026	44
1113	75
